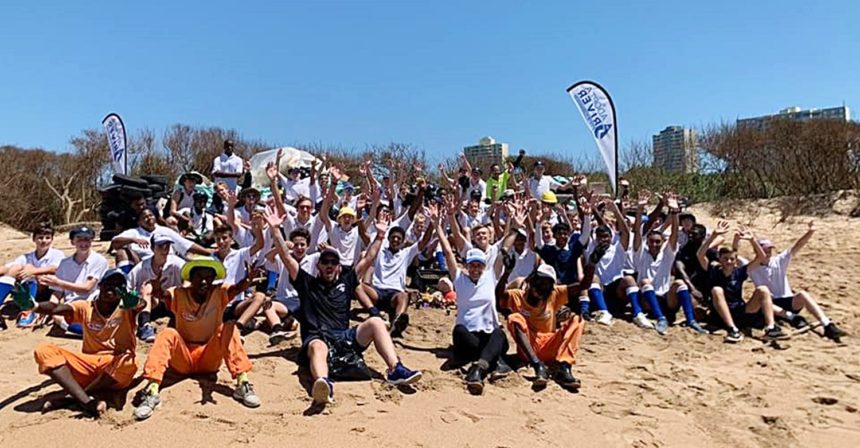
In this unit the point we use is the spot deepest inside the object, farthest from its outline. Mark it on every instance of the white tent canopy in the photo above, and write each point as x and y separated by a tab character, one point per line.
292	158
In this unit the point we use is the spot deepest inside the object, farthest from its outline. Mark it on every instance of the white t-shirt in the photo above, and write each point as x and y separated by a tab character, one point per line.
346	243
658	270
613	263
180	243
52	257
171	273
234	265
480	187
137	233
228	164
538	187
187	199
285	289
69	270
526	262
492	252
201	223
389	269
468	221
774	275
476	303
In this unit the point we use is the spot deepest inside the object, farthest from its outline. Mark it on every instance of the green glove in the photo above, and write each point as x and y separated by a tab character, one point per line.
130	299
22	298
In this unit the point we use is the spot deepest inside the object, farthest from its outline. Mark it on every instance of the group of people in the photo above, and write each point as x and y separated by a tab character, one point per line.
546	256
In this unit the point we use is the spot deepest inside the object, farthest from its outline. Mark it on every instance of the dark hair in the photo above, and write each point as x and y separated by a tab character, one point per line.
603	229
300	232
223	229
43	228
725	250
561	227
301	199
397	229
654	232
699	228
689	216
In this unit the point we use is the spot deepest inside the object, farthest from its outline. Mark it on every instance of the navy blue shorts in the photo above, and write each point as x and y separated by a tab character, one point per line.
341	338
291	303
785	304
385	298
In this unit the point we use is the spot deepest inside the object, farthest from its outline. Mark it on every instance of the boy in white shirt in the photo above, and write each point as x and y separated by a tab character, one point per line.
77	276
344	237
773	273
200	223
228	167
150	278
25	271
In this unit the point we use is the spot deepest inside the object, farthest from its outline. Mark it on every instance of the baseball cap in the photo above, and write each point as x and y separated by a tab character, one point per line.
348	186
508	193
112	273
329	253
539	163
476	255
765	243
547	271
346	211
159	239
549	197
82	230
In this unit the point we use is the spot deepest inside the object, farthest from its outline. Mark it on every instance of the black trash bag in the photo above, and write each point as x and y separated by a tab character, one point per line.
345	361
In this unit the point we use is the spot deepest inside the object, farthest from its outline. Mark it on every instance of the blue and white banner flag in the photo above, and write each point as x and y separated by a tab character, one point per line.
598	111
117	142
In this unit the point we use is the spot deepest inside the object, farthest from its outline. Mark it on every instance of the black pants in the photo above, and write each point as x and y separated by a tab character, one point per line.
472	345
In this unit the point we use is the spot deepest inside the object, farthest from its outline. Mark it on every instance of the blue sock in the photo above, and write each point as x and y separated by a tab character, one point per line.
76	328
651	297
633	297
687	304
440	258
34	288
126	268
596	295
272	278
5	289
584	305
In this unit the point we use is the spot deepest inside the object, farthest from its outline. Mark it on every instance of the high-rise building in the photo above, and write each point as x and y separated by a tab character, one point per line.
795	113
486	152
675	149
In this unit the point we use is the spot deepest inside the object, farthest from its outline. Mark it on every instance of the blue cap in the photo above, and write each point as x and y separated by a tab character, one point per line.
82	231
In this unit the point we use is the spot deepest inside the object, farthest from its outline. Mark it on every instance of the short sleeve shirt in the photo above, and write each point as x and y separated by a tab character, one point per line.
71	271
774	275
228	164
170	273
196	322
389	269
105	335
476	302
540	318
324	307
733	284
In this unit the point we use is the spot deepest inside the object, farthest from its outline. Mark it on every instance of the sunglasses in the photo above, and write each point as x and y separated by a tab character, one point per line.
328	261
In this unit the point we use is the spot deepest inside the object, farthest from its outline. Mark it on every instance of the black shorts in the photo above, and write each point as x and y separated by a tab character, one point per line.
614	304
385	298
345	360
742	318
670	312
786	304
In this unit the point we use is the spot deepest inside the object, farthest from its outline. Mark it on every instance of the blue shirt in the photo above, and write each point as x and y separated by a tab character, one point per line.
564	259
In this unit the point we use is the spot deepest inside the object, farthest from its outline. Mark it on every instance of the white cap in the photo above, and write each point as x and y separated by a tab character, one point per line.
547	271
474	255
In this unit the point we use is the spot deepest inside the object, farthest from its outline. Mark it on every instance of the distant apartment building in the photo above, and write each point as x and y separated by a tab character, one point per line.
486	152
795	113
675	150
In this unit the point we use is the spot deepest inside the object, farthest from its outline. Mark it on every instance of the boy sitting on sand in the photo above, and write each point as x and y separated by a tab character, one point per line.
24	271
200	341
77	276
106	360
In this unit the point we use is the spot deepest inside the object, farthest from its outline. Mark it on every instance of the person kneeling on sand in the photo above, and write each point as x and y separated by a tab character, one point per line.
727	281
540	319
106	360
200	341
323	315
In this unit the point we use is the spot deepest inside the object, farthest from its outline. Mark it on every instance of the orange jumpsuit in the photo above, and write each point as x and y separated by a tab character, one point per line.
539	324
200	341
108	347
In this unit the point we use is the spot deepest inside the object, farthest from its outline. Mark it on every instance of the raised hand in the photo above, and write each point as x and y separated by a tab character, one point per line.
272	171
232	199
433	211
672	202
382	225
722	227
336	173
811	225
272	217
644	198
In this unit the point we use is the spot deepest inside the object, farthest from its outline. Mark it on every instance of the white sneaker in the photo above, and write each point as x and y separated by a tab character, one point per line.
245	394
641	321
604	318
322	391
147	407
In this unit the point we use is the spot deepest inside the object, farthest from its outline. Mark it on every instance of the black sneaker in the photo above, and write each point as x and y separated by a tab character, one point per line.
775	334
475	377
541	375
734	336
399	324
502	370
834	333
565	377
798	322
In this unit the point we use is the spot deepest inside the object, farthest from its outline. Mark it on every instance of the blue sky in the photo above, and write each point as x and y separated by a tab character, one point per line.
437	74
